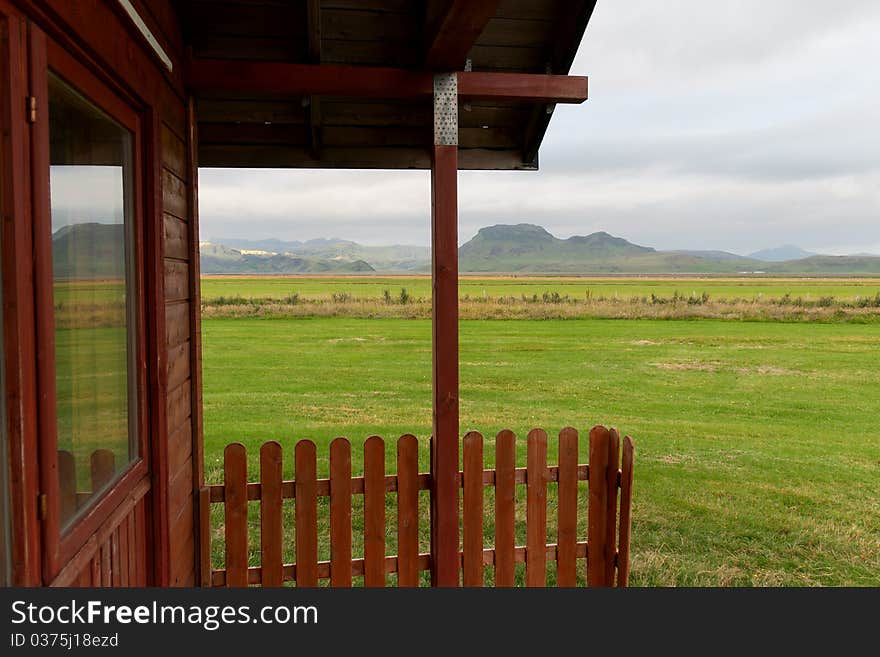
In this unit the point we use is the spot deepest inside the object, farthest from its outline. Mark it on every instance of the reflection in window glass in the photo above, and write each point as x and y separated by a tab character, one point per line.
91	189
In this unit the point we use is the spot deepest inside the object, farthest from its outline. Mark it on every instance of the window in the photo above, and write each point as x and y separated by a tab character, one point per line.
92	263
91	369
95	312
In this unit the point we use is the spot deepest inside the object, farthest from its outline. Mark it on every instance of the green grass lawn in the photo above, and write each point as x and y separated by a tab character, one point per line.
278	287
757	444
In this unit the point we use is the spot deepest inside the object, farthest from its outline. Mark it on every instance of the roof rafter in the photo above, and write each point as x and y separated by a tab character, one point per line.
314	117
452	34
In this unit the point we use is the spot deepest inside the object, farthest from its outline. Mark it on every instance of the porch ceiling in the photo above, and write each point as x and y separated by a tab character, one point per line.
271	130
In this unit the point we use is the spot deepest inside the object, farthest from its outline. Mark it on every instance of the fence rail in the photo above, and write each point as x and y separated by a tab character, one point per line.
605	548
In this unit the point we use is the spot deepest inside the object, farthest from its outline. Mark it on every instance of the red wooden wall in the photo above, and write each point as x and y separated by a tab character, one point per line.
150	538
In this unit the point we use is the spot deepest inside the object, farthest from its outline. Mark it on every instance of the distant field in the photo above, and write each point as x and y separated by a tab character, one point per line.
758	447
420	286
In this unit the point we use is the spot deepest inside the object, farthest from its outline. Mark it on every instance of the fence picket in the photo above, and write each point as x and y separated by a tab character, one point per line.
306	513
270	514
374	512
103	468
611	479
407	511
472	510
536	509
626	482
67	484
567	507
235	473
340	513
597	512
505	508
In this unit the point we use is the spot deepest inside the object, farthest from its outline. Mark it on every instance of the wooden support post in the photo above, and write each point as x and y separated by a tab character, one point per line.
444	273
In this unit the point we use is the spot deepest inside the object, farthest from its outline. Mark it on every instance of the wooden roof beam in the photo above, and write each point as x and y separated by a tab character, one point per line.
313	111
236	77
454	30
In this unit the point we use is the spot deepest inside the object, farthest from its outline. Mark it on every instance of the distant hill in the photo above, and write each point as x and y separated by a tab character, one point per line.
781	254
221	259
820	264
395	258
507	248
530	248
88	250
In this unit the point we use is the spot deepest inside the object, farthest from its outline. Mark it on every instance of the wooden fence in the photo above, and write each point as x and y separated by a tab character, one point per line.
605	548
102	470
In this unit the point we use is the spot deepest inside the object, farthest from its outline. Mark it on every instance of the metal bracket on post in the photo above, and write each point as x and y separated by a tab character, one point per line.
446	109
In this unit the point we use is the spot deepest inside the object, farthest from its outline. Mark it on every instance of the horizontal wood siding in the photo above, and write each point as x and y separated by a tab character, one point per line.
114	555
178	272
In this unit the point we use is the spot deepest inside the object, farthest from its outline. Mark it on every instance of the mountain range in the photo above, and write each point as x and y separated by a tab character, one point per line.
94	250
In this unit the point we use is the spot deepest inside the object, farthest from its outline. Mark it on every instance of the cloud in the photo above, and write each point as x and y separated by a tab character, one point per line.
736	125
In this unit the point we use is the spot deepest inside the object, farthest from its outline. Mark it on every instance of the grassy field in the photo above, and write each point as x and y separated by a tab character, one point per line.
278	287
758	449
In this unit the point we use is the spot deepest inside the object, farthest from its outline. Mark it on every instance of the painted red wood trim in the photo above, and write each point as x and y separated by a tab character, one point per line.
18	300
252	77
445	440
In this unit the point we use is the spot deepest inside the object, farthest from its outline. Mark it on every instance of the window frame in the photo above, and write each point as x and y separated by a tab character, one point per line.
59	546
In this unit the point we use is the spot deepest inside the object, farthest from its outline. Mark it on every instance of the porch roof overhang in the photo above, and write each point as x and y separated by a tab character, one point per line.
343	84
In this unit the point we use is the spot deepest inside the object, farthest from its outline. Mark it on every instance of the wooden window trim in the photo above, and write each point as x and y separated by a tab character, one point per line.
46	55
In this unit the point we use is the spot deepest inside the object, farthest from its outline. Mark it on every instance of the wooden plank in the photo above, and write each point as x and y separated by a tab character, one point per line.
103	468
378	157
306	513
173	153
231	110
363	24
95	570
626	483
340	513
612	475
374	512
204	537
536	509
313	29
236	521
567	508
515	86
176	237
177	322
178	367
472	511
195	309
505	507
599	553
270	513
176	279
174	195
455	30
106	570
444	443
218	76
407	511
115	565
124	553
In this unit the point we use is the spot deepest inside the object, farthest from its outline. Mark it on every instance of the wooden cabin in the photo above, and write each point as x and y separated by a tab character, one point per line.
107	109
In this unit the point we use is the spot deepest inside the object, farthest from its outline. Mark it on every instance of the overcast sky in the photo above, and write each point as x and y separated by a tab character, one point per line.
734	125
